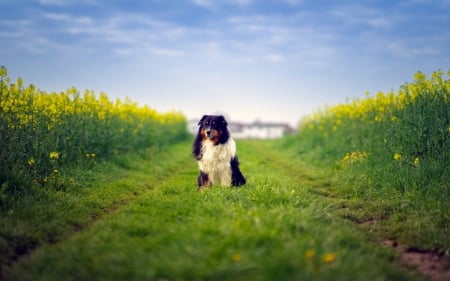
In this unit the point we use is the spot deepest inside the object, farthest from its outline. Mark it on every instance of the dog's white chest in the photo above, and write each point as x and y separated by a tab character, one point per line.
218	153
216	159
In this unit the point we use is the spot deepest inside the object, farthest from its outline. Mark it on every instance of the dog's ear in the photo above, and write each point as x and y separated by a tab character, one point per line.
201	120
222	119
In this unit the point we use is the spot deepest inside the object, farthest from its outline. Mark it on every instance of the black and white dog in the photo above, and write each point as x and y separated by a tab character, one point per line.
215	151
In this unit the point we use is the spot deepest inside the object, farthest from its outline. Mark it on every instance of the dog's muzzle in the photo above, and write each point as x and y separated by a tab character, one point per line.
209	133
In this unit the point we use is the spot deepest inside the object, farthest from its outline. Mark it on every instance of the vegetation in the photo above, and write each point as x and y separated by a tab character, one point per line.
379	164
274	228
393	154
44	133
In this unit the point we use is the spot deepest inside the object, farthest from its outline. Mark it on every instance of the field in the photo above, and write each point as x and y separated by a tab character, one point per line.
327	203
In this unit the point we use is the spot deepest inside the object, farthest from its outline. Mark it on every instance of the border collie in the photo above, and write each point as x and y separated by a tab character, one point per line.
215	151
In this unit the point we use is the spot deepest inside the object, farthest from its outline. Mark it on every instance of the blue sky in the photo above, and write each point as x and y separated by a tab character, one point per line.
252	60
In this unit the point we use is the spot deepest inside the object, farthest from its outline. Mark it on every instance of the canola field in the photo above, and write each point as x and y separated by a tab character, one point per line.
42	134
396	139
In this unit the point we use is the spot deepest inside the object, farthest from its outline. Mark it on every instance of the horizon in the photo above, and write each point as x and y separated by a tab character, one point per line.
274	61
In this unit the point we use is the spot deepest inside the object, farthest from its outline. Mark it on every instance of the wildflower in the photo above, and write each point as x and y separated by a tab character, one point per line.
310	254
354	157
31	161
55	171
329	257
54	155
416	161
397	156
236	257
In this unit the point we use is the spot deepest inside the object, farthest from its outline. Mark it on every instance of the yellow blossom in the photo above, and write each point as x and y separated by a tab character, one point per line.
416	161
397	156
236	257
310	253
31	161
54	155
329	257
353	157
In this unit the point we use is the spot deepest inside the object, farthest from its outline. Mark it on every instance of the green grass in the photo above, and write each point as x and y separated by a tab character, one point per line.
280	226
44	215
414	217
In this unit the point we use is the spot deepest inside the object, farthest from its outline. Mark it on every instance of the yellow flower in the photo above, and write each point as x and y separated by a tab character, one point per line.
55	171
329	257
416	161
236	257
397	156
31	161
310	254
54	155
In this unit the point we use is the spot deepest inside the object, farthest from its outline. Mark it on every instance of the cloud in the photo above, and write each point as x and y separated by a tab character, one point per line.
405	50
67	2
204	3
54	2
216	5
358	14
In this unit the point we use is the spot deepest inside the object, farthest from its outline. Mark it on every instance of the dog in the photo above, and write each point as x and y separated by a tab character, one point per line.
215	151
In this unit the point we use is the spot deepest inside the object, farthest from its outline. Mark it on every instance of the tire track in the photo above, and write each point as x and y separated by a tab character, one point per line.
154	176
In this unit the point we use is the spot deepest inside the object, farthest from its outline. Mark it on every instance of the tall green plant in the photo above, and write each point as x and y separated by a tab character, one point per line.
43	133
395	139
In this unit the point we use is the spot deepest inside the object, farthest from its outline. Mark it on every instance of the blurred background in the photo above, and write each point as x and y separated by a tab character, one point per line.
253	60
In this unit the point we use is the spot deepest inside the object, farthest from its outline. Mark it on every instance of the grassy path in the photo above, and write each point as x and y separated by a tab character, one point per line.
275	228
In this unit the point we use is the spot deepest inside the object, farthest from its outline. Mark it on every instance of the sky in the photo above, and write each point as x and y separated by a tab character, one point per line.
252	60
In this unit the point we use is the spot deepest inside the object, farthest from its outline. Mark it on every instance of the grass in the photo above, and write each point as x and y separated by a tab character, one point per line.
411	217
278	227
44	215
99	206
391	152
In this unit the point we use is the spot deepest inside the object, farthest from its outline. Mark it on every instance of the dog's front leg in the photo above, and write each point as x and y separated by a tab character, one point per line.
203	181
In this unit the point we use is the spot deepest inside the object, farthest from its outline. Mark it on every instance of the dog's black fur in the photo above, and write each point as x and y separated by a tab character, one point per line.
213	135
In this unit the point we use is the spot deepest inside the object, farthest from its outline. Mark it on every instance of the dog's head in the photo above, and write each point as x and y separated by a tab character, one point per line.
214	128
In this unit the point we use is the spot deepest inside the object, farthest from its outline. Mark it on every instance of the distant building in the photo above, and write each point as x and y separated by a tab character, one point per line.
255	130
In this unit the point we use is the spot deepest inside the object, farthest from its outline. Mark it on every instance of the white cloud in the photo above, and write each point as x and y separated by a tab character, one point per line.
205	3
215	4
358	14
54	2
242	2
293	2
406	50
274	57
67	2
